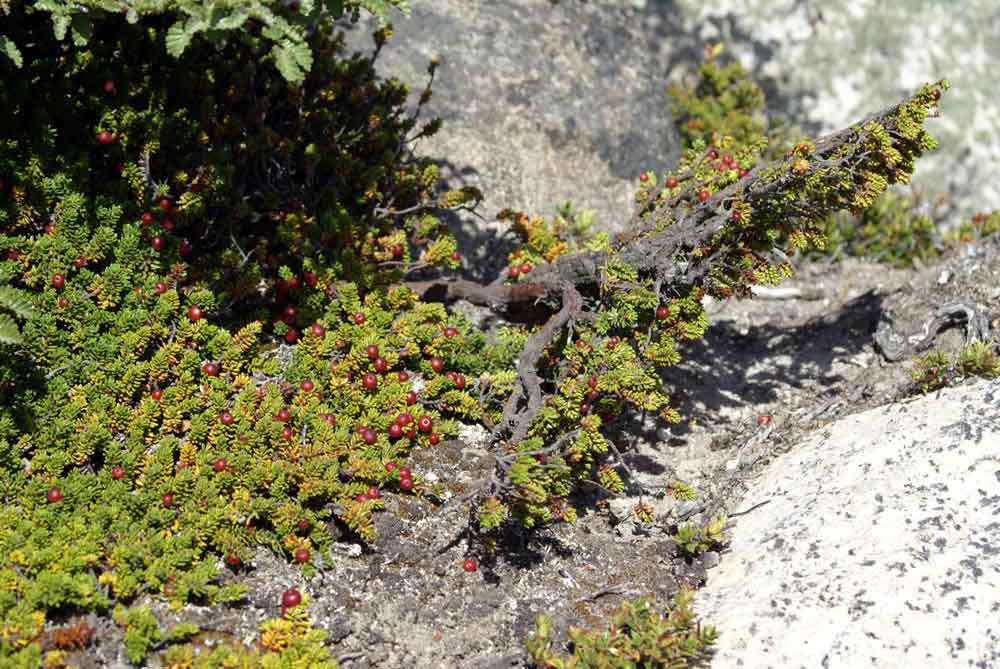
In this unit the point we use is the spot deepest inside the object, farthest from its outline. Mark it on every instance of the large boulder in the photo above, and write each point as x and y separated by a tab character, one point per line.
878	545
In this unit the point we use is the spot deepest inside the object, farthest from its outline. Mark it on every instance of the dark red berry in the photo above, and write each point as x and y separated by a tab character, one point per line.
433	439
165	204
291	597
643	177
470	565
403	376
311	279
712	154
210	369
671	182
592	396
108	87
317	330
194	312
405	473
185	248
404	419
147	217
380	365
411	398
233	561
292	335
226	418
525	268
743	173
459	381
662	312
302	555
104	138
374	493
592	382
936	94
63	303
306	386
437	364
395	431
54	495
168	224
450	331
287	433
167	500
456	256
293	283
425	424
157	243
371	351
584	409
369	436
156	394
727	159
405	483
79	262
303	525
390	466
58	281
160	288
702	195
219	465
369	381
359	318
514	272
117	473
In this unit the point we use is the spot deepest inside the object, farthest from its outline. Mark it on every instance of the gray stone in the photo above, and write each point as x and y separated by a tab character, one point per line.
879	547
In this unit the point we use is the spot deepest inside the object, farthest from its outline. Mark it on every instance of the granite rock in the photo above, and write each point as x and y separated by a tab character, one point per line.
879	544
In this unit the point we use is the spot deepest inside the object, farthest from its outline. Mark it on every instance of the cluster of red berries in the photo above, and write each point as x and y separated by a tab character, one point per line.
514	271
405	476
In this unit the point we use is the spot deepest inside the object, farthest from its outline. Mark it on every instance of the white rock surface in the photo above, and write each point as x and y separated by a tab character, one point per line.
879	547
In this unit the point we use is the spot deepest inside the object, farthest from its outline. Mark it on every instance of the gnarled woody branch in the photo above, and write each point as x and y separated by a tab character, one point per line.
663	247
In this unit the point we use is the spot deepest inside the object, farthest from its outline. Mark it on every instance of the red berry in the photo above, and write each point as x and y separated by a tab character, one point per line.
411	398
405	483
290	313
58	281
390	466
612	342
514	272
380	365
311	279
456	256
433	439
371	351
63	303
291	597
404	419
54	495
713	154
226	418
168	500
737	216
12	254
306	386
104	138
437	364
369	436
662	312
165	204
330	418
185	248
395	431
369	381
359	318
702	195
287	433
317	330
374	493
210	369
592	382
425	424
147	217
168	224
109	87
470	565
293	283
403	376
194	312
727	159
397	251
936	94
302	555
283	415
405	473
643	177
219	465
79	262
584	409
117	473
233	561
671	182
459	381
450	331
156	394
160	288
50	228
157	243
303	525
292	336
592	396
525	268
743	173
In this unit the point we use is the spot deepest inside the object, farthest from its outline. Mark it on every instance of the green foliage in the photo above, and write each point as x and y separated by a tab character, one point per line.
936	369
17	302
637	636
694	540
284	26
